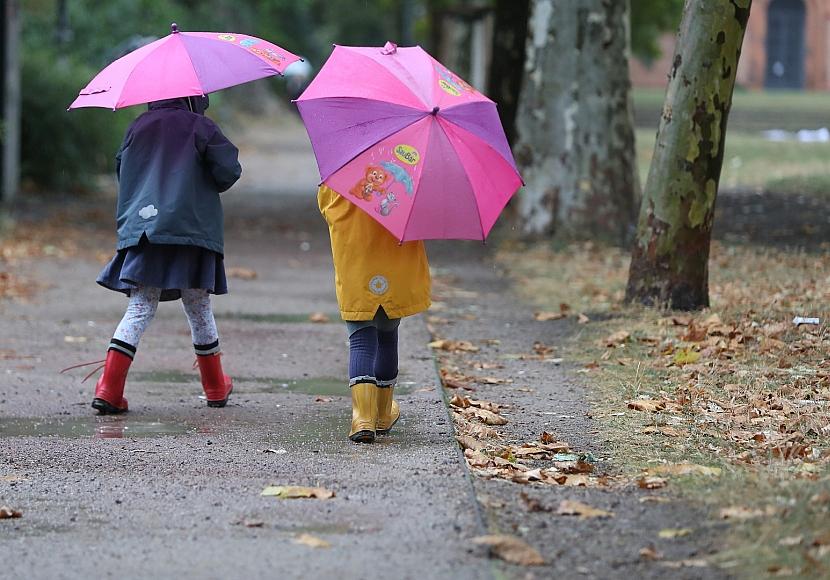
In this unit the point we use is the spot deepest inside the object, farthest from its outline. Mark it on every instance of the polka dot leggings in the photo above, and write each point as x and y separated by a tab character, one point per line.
142	308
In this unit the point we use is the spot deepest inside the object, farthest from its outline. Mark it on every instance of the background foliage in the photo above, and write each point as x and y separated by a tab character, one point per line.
66	150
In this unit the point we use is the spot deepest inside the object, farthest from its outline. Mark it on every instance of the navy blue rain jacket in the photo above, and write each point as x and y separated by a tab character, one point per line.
171	168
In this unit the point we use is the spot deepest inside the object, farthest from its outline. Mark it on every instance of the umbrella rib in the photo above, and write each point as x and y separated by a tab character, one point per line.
129	76
375	142
195	74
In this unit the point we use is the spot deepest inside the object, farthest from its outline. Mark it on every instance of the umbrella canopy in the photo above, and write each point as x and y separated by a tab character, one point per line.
183	64
409	142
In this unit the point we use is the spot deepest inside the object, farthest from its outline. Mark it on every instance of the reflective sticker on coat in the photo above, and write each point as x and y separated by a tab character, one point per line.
148	211
379	285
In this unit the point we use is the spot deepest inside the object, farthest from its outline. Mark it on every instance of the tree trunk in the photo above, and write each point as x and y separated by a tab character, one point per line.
507	64
576	140
669	264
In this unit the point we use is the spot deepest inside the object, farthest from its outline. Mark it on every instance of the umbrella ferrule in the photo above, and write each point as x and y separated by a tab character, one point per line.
435	110
174	28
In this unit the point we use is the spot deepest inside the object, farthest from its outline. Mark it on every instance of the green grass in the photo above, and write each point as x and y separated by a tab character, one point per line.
751	162
775	102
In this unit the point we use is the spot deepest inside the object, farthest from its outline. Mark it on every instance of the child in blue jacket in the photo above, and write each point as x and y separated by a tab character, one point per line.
171	168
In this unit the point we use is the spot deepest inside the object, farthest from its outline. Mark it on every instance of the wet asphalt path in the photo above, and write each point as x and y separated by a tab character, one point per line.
172	490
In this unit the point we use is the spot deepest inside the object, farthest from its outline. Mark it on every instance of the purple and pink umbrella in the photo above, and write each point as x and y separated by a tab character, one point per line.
183	64
409	142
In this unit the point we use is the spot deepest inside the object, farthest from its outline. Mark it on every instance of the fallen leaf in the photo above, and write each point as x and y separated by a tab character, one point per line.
663	430
319	317
685	356
7	513
279	451
467	442
454	345
312	541
510	549
546	437
584	511
252	523
297	492
460	401
648	405
616	338
651	482
485	416
319	399
742	513
476	430
671	533
241	273
543	316
75	339
582	319
650	553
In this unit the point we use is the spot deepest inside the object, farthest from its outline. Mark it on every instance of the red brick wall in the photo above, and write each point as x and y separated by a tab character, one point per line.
752	69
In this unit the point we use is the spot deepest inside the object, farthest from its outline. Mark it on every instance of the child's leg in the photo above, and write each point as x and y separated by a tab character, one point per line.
142	308
386	362
217	385
109	391
386	370
363	346
197	308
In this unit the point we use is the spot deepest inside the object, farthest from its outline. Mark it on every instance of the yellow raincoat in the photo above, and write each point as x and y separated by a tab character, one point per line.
371	268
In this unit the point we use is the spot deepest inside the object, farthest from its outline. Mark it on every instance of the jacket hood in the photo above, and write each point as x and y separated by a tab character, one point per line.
197	104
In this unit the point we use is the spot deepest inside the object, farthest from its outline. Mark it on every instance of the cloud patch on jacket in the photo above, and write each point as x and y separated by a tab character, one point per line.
148	211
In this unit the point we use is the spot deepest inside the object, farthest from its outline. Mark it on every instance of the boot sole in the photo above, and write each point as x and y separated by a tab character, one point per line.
388	429
222	403
363	437
105	408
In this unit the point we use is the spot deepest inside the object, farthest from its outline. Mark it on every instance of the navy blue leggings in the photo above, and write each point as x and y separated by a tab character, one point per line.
373	356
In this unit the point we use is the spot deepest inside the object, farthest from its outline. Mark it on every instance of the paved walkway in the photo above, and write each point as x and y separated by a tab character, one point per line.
170	490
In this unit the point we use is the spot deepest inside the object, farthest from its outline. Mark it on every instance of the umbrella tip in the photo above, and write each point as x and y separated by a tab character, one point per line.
389	48
435	110
174	28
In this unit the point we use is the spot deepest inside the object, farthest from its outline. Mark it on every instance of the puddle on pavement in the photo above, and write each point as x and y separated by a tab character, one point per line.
94	426
278	318
317	386
164	376
333	429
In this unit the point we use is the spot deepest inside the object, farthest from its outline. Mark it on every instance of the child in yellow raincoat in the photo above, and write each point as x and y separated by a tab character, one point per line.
378	282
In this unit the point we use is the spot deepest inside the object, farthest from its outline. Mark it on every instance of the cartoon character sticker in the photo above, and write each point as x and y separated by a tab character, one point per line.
228	37
374	181
249	42
451	83
387	204
379	179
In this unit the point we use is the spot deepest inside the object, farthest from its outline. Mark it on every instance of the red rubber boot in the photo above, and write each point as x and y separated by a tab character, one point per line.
109	391
215	382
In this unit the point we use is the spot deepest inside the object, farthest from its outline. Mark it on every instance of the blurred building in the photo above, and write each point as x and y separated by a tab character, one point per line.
787	46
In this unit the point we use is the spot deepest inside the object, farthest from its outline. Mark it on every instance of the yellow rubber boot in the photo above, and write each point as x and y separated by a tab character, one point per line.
364	412
388	410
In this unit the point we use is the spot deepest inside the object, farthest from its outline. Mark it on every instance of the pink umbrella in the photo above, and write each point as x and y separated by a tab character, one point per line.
183	64
409	142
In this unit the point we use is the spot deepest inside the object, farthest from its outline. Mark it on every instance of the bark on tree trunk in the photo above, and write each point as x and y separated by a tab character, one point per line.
576	140
669	263
507	64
